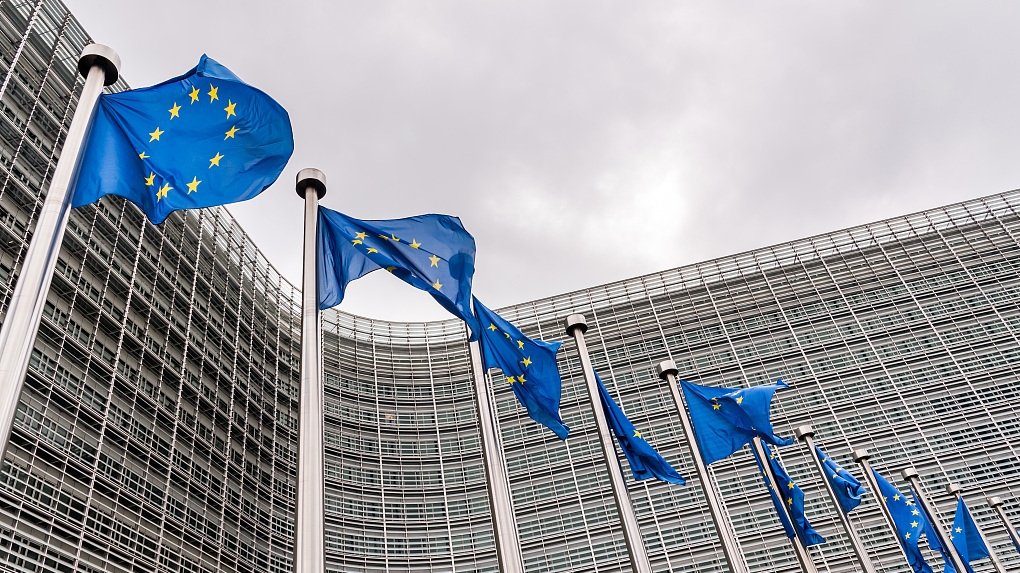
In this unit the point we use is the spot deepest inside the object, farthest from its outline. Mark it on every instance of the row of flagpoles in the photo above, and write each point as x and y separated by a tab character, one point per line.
337	249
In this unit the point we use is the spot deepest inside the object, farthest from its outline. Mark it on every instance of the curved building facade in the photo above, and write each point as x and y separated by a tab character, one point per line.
157	427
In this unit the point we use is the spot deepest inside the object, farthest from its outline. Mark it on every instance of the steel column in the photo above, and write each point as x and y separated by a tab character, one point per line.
100	65
806	434
734	559
309	519
576	326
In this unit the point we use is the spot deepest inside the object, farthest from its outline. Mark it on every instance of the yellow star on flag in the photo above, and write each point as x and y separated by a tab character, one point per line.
526	362
173	111
212	93
521	378
637	434
356	242
371	250
230	134
154	136
230	109
142	155
162	191
492	326
907	536
790	485
913	524
194	94
716	406
436	285
193	186
435	260
415	243
520	345
150	180
215	160
740	399
360	235
958	530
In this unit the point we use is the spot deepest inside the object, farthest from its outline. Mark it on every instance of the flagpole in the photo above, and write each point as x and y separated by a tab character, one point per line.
309	519
667	371
576	326
806	433
995	503
956	491
508	546
100	66
803	556
861	456
910	474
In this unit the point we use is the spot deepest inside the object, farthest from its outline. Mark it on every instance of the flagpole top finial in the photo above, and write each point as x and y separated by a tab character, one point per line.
804	432
861	454
994	501
102	56
909	473
666	368
311	178
954	489
575	321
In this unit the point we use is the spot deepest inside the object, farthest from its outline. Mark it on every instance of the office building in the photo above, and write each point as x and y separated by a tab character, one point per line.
157	427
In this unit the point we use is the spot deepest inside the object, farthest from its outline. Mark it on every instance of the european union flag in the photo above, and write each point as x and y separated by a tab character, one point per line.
431	252
529	365
966	537
644	461
790	495
910	523
848	488
725	419
202	139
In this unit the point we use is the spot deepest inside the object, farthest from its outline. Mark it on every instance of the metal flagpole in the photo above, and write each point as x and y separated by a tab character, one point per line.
508	545
309	530
667	370
806	433
955	490
803	556
996	504
100	66
861	456
910	474
576	326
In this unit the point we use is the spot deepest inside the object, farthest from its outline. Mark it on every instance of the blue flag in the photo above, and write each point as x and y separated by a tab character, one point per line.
431	252
848	488
910	523
966	537
644	461
202	139
725	419
792	497
529	365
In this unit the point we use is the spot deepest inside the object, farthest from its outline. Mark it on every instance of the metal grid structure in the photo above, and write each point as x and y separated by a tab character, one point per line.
157	426
156	431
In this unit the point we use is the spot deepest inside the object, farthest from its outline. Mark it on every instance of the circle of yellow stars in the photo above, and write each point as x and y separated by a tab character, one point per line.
175	113
361	238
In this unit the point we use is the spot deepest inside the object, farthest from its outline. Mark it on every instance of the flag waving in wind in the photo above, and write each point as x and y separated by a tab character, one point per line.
966	537
529	365
202	139
644	461
788	493
909	521
431	252
725	419
848	488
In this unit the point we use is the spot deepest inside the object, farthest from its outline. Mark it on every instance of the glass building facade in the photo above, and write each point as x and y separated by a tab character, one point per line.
157	428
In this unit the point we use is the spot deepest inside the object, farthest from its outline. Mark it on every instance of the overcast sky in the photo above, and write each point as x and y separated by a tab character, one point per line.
583	142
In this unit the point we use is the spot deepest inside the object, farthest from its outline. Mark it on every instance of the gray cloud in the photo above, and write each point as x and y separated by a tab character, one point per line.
585	142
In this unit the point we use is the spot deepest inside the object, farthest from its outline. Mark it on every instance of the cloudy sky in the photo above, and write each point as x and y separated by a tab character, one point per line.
583	142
